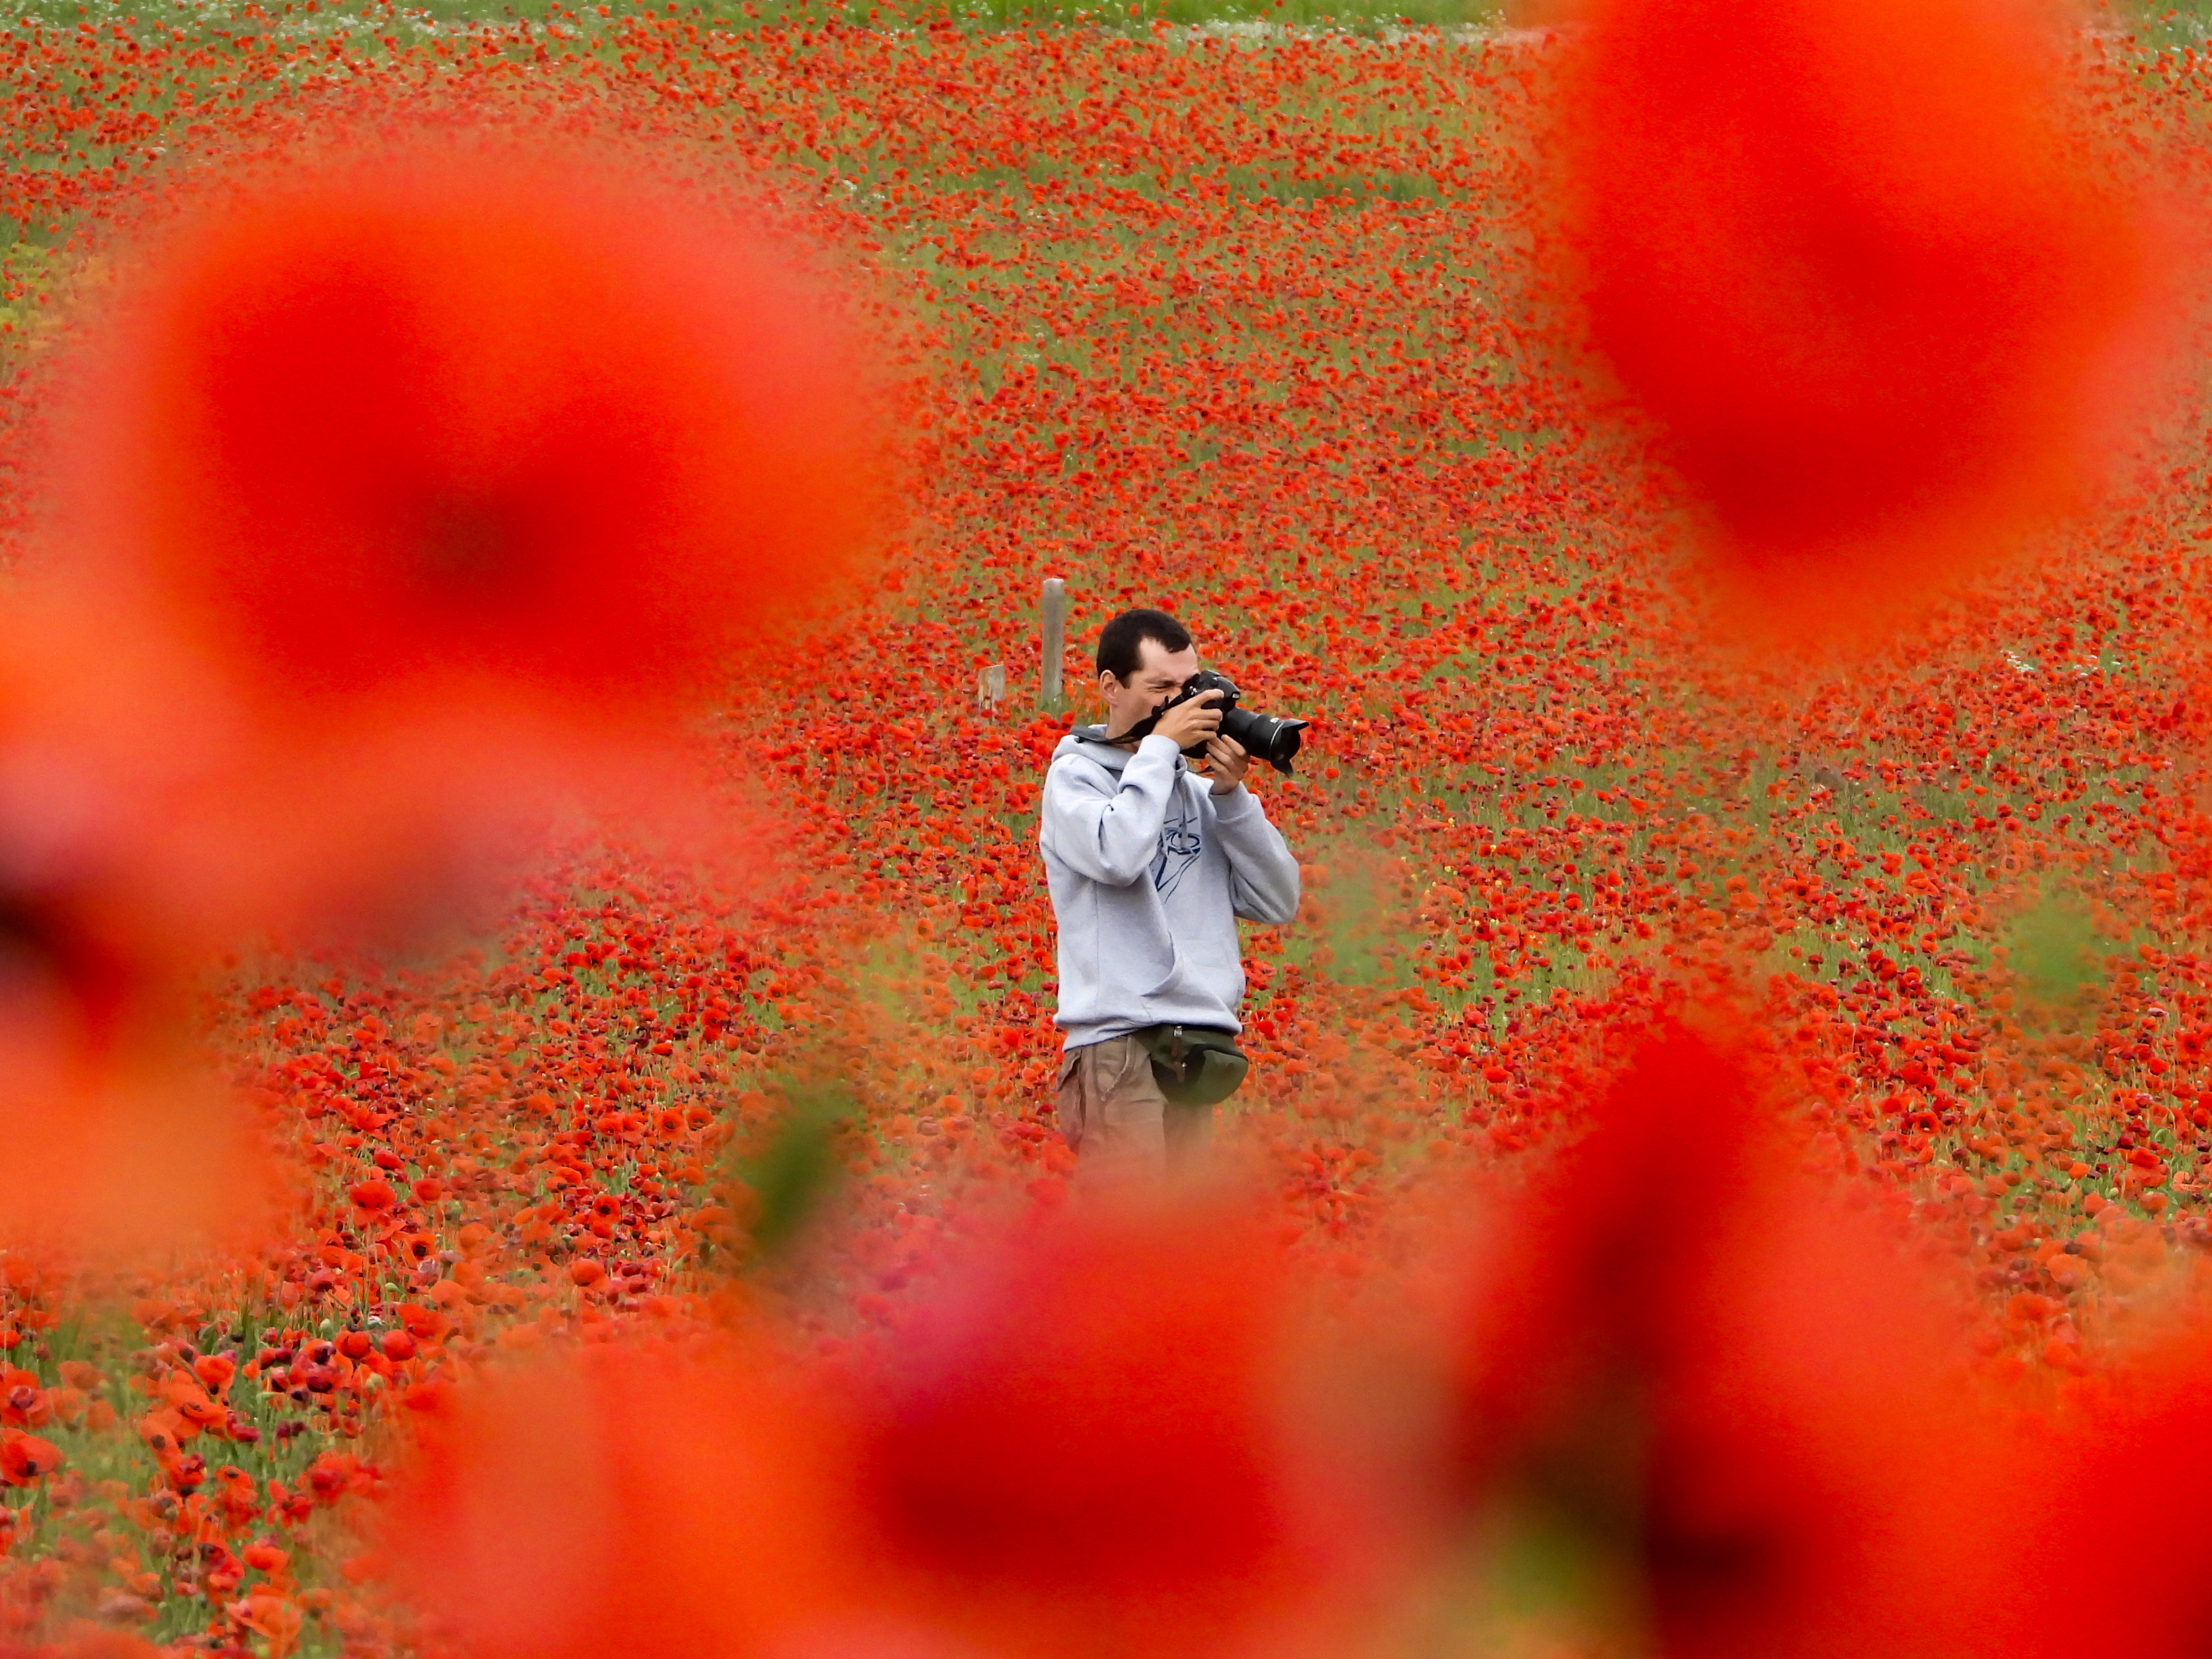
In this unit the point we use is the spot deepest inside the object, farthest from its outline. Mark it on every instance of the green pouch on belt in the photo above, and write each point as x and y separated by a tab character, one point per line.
1193	1065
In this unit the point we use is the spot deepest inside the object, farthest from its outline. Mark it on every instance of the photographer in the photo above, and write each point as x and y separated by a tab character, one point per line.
1150	862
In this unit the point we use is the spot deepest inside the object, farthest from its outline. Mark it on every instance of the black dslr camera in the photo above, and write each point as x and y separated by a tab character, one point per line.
1271	737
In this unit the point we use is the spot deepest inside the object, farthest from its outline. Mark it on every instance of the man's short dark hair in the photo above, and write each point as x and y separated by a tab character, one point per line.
1121	641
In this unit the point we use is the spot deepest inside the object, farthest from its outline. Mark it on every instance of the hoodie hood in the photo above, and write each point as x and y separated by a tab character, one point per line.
1090	741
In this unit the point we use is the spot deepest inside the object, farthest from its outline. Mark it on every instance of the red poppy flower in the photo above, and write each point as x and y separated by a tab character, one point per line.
1834	246
123	1151
2105	1495
26	1458
442	415
1089	1447
371	1196
625	1502
276	1618
427	488
1683	1337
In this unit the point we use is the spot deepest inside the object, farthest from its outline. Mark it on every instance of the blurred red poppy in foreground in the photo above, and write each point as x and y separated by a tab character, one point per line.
417	491
2110	1493
111	1129
125	1152
1835	248
1679	1337
621	1501
1091	1449
414	498
467	416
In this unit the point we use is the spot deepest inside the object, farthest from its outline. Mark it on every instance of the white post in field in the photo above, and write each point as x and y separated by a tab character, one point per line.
1055	639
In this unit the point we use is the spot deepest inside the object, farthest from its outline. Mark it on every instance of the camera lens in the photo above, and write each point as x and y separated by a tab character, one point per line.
1268	737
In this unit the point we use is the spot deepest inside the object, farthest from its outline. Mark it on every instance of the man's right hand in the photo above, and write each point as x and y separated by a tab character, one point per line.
1190	724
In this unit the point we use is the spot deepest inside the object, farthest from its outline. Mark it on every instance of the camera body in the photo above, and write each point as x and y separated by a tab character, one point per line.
1270	738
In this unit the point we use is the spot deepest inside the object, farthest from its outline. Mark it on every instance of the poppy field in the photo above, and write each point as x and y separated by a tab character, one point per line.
526	1056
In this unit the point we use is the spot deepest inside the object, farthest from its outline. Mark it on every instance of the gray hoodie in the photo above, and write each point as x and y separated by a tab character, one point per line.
1149	869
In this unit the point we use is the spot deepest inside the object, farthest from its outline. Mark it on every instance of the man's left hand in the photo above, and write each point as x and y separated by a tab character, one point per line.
1226	762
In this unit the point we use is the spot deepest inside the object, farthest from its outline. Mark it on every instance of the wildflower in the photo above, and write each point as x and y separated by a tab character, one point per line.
1838	249
26	1458
621	1502
371	1197
1681	1337
1090	1446
425	416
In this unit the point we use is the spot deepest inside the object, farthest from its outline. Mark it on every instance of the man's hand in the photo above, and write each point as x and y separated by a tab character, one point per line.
1191	723
1226	761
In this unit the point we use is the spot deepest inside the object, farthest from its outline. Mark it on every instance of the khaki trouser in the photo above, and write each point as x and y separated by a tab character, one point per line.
1120	1126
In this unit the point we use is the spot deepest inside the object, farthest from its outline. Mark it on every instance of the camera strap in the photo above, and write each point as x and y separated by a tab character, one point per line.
1144	727
1098	734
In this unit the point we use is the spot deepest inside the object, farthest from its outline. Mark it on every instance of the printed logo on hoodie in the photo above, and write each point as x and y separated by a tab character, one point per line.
1180	846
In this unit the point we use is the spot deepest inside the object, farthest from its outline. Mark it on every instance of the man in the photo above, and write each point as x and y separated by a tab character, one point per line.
1150	862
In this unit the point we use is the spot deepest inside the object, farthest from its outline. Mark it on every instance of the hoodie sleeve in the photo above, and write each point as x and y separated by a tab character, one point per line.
1263	877
1105	828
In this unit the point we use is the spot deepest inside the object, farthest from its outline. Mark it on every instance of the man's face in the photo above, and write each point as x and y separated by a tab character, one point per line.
1160	674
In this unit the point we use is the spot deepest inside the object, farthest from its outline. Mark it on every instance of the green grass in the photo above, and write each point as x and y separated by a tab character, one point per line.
2160	23
2175	23
435	16
1363	14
